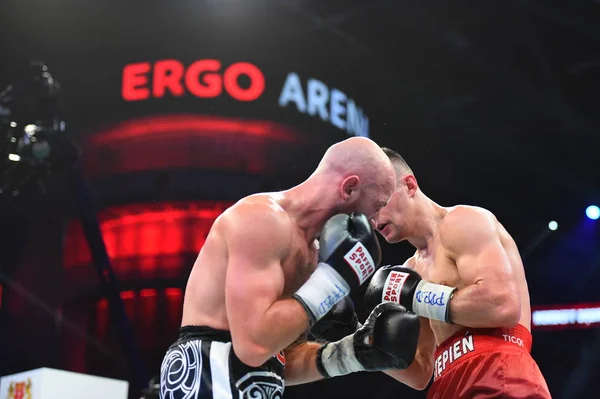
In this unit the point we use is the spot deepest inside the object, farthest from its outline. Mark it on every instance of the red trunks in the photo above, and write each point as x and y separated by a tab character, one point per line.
487	363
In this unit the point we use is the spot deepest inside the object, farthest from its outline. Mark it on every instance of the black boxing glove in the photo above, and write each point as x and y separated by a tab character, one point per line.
405	286
388	340
338	323
349	253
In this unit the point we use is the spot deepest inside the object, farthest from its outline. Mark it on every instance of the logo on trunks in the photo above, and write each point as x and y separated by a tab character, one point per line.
393	286
260	385
361	262
513	339
331	300
454	352
20	390
280	357
430	298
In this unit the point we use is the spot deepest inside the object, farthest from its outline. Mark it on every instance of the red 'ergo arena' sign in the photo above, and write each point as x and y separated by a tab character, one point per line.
209	78
203	78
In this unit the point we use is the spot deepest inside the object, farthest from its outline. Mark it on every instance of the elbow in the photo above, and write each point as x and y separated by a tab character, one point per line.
251	354
417	376
247	348
421	384
508	312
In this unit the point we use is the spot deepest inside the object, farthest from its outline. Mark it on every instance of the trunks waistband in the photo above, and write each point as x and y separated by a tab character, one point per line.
203	332
190	333
472	341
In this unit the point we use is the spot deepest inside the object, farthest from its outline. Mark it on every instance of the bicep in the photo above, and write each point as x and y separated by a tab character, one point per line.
487	261
251	287
254	278
480	257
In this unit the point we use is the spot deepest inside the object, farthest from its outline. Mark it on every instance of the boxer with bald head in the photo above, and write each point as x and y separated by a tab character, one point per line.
272	266
467	282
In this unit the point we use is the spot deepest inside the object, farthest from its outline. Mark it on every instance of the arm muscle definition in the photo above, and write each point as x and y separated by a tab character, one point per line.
491	297
258	239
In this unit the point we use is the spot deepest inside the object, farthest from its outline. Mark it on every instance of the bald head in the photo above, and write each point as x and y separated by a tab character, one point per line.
357	155
362	172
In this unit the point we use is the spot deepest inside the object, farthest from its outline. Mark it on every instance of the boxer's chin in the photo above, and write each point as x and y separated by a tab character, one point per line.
395	237
388	231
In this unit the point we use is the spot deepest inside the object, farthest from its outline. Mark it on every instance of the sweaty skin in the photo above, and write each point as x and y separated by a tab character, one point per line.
262	249
464	247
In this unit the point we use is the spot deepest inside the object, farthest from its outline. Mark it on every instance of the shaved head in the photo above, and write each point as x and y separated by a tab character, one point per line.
356	156
362	173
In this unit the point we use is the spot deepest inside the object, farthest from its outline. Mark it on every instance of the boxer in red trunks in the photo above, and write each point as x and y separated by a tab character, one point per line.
467	283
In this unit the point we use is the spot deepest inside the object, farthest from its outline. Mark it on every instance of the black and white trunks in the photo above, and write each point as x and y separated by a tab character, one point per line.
202	365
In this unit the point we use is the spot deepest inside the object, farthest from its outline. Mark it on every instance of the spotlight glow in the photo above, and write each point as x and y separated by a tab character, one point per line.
593	212
30	130
553	225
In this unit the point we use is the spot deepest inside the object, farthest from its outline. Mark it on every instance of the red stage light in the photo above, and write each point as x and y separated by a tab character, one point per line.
193	126
127	295
148	292
148	239
190	142
173	292
103	303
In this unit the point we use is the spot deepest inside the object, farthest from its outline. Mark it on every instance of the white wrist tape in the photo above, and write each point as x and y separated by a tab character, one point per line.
338	358
324	288
432	300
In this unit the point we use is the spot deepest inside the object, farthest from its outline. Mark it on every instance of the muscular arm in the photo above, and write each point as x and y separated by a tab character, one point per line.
261	323
491	296
418	374
301	362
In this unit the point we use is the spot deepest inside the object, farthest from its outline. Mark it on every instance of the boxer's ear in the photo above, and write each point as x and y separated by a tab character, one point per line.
349	186
411	184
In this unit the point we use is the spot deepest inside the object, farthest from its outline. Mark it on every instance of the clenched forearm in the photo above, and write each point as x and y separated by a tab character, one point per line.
485	306
301	364
417	376
279	326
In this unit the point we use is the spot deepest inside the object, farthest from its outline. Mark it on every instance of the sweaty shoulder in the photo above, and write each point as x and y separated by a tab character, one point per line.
467	227
258	223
